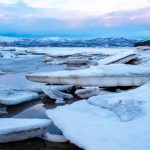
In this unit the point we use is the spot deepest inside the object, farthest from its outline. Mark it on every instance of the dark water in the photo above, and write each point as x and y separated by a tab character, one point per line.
15	78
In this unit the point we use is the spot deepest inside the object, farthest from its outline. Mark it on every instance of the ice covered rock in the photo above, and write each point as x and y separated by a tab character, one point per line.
89	92
102	76
20	129
13	96
123	57
93	128
57	95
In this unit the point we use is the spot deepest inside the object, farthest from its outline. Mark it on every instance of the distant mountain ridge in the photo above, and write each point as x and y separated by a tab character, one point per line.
66	42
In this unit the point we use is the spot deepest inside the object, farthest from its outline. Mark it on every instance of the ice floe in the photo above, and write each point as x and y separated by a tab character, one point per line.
10	96
102	76
21	129
93	128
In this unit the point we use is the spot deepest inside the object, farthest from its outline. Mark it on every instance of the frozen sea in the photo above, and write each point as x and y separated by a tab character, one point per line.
14	77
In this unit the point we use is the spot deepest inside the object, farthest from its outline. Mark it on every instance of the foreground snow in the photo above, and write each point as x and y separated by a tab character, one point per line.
20	129
94	128
103	76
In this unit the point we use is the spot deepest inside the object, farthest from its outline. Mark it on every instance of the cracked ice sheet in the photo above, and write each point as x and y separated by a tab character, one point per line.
93	128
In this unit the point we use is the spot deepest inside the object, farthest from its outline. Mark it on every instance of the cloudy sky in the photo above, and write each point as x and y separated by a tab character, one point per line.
75	18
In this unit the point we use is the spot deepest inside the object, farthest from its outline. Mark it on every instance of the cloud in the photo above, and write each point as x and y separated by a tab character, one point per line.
75	17
83	7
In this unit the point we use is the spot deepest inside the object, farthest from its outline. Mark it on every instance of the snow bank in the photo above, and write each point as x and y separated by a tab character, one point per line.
103	76
93	128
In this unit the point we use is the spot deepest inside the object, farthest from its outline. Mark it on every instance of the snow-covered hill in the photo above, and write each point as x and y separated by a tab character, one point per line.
64	42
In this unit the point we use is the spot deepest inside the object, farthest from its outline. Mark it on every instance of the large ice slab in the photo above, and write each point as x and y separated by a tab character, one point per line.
126	105
12	96
93	128
123	57
21	129
103	76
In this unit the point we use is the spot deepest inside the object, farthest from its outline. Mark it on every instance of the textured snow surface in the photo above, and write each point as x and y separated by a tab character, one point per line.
12	97
95	128
127	105
10	125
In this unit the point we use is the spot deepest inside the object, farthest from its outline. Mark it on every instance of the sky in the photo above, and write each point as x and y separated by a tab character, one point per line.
75	18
